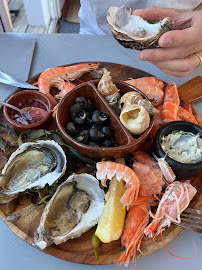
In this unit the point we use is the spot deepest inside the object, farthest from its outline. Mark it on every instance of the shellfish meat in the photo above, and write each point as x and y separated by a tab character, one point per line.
133	31
74	209
32	165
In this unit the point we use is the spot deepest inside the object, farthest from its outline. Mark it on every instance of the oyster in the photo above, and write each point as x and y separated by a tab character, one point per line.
133	31
74	209
32	165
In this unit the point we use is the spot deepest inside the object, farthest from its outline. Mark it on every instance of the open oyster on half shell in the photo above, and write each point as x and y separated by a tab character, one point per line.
74	209
32	165
133	31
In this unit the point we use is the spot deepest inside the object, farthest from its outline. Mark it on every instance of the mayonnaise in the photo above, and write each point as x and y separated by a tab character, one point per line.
182	146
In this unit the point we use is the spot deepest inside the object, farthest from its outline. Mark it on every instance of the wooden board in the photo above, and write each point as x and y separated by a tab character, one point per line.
80	250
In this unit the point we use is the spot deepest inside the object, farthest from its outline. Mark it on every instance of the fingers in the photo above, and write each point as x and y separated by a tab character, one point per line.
177	38
179	67
154	13
164	54
175	73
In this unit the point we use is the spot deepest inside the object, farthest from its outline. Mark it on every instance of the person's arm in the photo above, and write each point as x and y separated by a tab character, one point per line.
178	50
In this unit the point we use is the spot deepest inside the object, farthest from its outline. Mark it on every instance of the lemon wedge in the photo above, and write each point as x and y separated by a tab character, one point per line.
112	219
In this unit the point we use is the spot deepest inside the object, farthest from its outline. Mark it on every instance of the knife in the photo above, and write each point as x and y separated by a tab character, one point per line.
6	79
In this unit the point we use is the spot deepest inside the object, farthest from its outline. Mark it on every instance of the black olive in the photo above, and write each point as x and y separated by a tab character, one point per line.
108	132
107	143
82	136
96	135
95	144
81	100
71	128
90	105
99	118
80	118
74	109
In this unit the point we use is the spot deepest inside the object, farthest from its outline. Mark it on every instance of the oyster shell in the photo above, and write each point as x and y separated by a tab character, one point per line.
133	31
74	209
135	118
32	165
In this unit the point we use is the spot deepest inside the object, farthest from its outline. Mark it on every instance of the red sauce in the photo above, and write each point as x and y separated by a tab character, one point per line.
37	112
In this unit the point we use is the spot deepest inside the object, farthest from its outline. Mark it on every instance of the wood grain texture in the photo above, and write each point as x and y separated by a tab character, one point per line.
80	250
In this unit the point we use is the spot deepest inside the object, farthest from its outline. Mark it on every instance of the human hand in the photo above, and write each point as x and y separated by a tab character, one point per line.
176	55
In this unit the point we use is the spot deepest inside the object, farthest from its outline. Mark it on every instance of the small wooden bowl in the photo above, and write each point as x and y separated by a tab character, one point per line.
126	142
26	95
181	170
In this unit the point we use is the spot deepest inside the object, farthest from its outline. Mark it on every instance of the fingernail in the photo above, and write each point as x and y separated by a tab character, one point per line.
146	56
166	42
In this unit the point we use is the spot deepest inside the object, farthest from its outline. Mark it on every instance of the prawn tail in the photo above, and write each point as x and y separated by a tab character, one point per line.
130	195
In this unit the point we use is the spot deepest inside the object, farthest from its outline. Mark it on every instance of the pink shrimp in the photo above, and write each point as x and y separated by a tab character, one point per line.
154	93
175	200
133	231
146	159
170	104
112	170
149	183
147	80
57	76
185	115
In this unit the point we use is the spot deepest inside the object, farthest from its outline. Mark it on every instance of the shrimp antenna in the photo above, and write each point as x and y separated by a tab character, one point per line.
184	258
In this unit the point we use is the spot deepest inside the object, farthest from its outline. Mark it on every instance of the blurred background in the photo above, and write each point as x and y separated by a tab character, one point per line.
39	16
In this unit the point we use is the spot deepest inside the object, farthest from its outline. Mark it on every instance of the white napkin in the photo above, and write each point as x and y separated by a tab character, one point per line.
19	52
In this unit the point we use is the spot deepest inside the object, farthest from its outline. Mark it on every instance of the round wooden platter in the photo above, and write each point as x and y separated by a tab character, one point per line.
80	250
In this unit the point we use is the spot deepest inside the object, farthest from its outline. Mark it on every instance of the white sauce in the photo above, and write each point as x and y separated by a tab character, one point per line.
181	146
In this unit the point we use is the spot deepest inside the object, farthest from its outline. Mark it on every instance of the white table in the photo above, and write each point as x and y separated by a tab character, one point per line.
59	49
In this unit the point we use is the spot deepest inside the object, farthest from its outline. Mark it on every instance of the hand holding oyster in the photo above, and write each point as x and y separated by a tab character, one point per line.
133	31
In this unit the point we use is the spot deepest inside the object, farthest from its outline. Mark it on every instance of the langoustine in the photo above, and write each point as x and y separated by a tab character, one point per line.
175	200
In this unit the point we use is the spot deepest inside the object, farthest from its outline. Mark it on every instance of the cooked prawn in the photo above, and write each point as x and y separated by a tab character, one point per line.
170	104
57	76
175	200
154	93
186	115
147	80
146	159
149	183
112	170
133	231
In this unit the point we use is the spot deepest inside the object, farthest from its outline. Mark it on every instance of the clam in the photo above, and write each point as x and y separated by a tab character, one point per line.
74	209
31	166
133	31
135	118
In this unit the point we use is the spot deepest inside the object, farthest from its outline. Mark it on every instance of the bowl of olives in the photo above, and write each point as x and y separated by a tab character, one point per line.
88	123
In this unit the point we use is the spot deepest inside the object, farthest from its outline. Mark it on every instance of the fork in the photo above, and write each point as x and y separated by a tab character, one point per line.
23	112
191	219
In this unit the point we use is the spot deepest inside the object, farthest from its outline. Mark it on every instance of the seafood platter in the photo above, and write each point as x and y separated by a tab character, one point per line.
90	187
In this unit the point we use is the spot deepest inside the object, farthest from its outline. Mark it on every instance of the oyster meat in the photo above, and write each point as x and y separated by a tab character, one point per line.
133	31
74	209
32	165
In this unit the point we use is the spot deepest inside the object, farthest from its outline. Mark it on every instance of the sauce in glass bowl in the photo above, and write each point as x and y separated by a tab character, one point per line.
36	111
